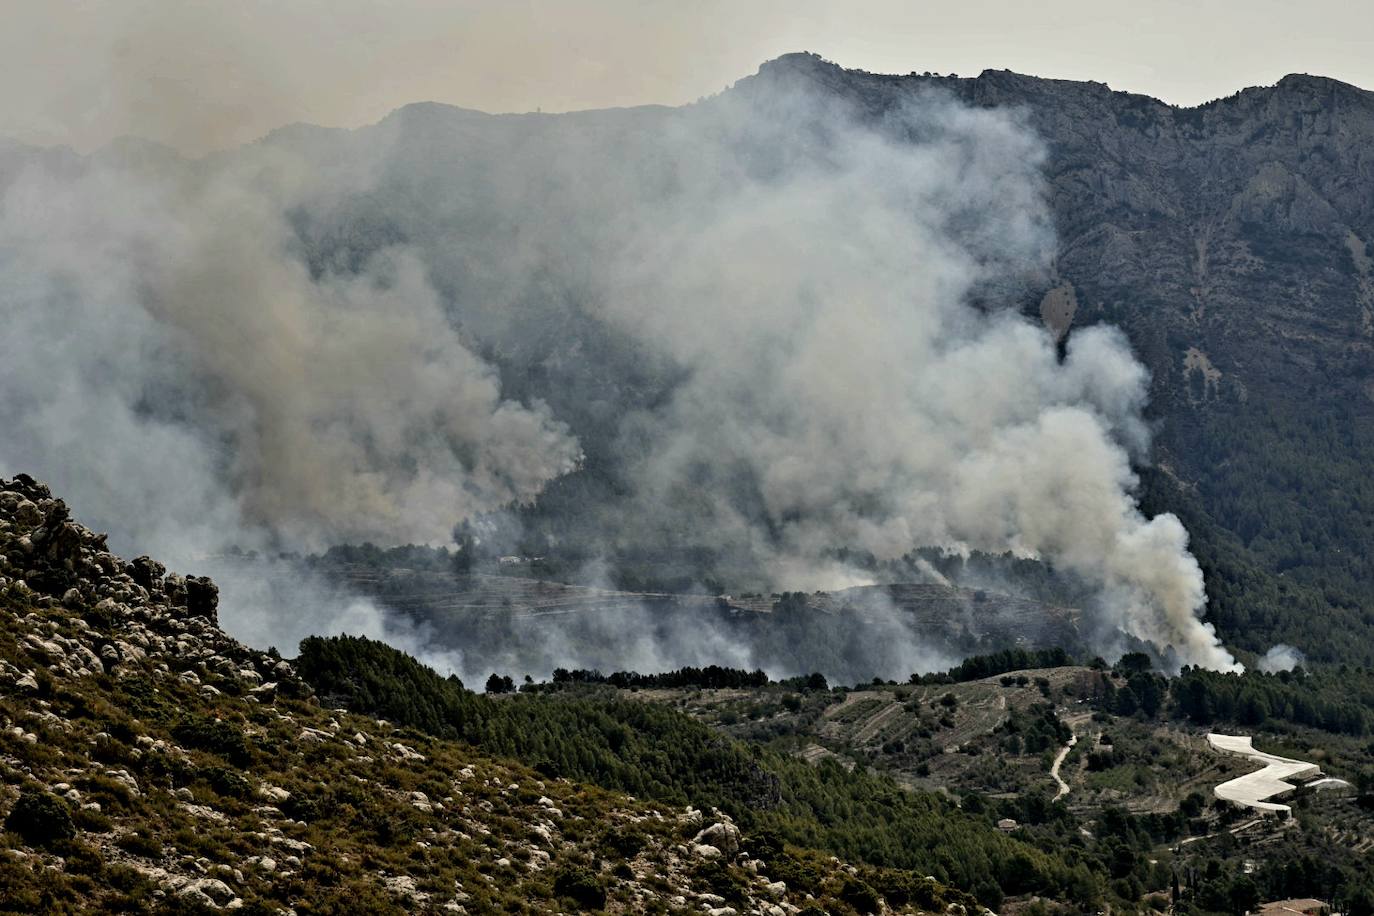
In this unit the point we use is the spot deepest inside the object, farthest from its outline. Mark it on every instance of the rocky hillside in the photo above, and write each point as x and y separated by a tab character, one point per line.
150	763
1233	240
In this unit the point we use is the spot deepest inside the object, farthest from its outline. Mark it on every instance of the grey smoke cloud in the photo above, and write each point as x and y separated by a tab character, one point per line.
810	276
164	327
835	357
782	287
176	370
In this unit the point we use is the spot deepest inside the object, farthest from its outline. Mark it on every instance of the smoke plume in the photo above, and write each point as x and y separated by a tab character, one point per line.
179	373
1280	657
779	322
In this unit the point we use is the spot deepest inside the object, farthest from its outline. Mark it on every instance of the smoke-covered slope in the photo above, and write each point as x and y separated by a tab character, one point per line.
770	332
1232	243
776	328
516	625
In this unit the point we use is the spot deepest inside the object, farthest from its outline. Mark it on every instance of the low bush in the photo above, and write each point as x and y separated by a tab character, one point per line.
580	885
40	818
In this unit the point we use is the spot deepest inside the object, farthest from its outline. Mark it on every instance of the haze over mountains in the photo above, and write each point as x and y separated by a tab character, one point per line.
793	325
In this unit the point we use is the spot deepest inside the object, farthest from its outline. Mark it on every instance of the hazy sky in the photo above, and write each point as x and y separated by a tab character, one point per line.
202	75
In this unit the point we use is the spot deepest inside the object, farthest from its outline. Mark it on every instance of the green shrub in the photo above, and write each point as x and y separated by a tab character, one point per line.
860	895
721	879
112	794
765	844
216	736
301	807
580	885
623	844
40	818
800	875
141	842
91	820
226	782
84	860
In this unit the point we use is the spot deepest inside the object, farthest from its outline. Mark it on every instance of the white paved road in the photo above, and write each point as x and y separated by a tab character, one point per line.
1269	780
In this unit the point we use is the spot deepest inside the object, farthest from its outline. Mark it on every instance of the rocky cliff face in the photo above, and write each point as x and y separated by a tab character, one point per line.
1232	239
151	764
51	563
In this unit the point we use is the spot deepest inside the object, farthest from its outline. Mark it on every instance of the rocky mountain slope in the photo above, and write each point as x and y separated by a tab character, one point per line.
1232	242
150	763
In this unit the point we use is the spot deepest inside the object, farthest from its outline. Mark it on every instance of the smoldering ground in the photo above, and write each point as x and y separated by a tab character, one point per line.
773	323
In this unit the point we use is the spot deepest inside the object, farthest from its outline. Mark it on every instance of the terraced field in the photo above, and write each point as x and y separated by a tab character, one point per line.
976	736
520	598
977	612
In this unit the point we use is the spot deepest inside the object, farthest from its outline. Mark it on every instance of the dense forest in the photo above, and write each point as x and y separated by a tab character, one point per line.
1338	700
1295	571
1335	700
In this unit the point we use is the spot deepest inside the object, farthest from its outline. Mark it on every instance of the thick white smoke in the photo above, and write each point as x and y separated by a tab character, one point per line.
835	359
255	344
1280	657
173	367
325	407
810	272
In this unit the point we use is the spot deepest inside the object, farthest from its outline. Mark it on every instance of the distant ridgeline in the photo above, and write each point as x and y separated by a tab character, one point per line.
714	677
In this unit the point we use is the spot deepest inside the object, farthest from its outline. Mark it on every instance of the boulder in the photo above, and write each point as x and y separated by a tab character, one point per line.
723	835
26	514
202	598
145	571
207	892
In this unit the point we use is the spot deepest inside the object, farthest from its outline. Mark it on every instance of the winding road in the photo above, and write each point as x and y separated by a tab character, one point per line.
1054	768
1269	780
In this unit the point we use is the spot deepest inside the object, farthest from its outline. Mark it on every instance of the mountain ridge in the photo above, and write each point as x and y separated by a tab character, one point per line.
806	62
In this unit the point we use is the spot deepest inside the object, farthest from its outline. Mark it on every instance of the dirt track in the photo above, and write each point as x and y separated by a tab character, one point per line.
1054	769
